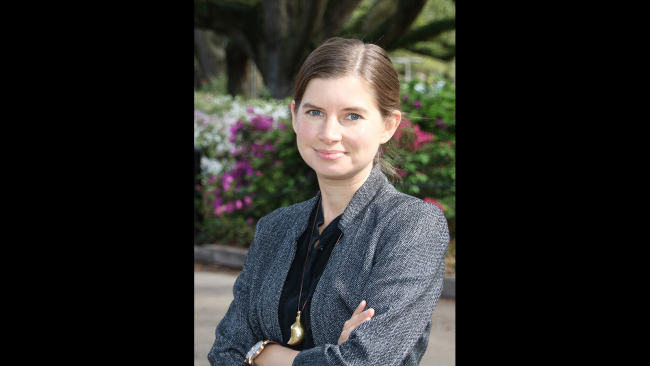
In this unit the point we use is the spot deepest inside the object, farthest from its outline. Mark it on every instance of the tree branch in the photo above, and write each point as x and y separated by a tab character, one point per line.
355	27
424	33
221	16
397	24
310	21
337	13
447	55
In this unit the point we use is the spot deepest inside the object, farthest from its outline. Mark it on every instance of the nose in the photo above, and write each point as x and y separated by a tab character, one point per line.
330	133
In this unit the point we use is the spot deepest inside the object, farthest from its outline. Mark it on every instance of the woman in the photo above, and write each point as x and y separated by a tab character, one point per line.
350	277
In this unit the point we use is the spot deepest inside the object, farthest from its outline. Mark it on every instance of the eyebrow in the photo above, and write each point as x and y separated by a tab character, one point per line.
348	109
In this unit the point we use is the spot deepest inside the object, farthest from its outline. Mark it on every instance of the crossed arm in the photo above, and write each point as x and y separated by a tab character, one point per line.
277	355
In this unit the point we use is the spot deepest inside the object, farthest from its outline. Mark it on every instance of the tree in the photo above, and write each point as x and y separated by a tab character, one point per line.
206	65
279	34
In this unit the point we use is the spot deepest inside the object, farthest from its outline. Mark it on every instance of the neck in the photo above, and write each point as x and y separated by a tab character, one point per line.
336	194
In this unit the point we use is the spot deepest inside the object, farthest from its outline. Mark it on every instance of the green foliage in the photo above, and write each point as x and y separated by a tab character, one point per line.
429	67
432	106
437	10
216	85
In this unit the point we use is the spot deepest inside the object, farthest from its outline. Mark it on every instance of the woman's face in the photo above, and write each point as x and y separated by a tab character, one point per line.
339	128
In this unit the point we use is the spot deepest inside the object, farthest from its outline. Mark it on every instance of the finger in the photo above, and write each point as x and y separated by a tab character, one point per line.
358	319
345	334
359	309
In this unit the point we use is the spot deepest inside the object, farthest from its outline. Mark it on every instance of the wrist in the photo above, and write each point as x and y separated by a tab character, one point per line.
276	355
256	350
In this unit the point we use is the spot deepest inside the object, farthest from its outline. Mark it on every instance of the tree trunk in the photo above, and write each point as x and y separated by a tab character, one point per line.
236	62
206	57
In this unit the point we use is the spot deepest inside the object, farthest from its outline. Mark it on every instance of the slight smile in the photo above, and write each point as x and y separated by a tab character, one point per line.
329	154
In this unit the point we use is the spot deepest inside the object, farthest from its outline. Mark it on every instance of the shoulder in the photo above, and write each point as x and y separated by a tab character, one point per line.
286	215
393	203
284	221
402	219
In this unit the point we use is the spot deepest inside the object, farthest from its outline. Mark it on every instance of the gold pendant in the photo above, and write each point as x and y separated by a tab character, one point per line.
297	332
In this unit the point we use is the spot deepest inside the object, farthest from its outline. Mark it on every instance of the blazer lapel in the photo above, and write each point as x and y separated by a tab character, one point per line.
273	284
351	225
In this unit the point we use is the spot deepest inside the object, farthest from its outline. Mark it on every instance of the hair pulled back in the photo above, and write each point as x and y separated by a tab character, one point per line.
340	57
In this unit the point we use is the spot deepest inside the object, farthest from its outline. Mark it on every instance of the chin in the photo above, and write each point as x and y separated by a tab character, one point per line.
342	170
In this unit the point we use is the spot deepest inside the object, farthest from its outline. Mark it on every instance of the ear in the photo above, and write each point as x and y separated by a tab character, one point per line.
391	126
293	115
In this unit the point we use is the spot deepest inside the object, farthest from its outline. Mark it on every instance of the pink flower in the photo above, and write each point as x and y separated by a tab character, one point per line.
406	97
219	210
417	104
238	205
249	221
217	202
261	122
427	199
421	137
230	208
227	179
247	201
250	110
258	173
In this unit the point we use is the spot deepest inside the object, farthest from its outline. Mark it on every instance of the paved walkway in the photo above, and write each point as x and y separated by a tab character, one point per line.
213	294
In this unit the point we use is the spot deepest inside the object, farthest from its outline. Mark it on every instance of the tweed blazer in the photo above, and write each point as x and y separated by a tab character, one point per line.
392	254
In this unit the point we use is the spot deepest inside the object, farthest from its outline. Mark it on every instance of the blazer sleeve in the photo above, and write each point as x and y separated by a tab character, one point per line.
234	335
404	287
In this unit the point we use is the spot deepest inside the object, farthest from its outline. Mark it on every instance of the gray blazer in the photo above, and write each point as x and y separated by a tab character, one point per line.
392	254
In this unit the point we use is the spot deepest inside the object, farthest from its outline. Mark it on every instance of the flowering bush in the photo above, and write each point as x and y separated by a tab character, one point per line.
429	167
259	170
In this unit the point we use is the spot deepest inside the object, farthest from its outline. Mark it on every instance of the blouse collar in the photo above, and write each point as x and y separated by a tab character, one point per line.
375	184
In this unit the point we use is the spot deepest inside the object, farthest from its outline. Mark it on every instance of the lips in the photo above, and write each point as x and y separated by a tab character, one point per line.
329	154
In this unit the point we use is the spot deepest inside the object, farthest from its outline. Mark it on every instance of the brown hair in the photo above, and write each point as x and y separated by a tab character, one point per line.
340	57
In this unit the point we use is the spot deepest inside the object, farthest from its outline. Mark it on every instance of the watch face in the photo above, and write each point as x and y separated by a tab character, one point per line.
254	349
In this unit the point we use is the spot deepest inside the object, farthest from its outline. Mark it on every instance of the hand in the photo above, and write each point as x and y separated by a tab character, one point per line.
358	317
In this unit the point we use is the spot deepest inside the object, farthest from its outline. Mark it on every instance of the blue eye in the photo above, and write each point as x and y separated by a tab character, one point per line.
315	113
354	117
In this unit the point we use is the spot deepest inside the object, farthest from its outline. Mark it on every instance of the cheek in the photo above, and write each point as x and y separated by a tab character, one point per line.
304	131
366	138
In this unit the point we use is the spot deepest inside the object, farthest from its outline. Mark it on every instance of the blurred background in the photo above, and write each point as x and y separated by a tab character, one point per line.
247	54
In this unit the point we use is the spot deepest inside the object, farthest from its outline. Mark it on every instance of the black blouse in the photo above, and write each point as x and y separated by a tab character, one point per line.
318	257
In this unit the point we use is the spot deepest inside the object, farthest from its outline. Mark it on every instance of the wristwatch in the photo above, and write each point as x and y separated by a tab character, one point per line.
256	350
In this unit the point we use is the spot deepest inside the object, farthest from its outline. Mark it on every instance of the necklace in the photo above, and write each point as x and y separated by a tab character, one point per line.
297	329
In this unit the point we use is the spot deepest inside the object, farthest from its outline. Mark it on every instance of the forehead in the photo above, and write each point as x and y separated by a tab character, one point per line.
344	92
